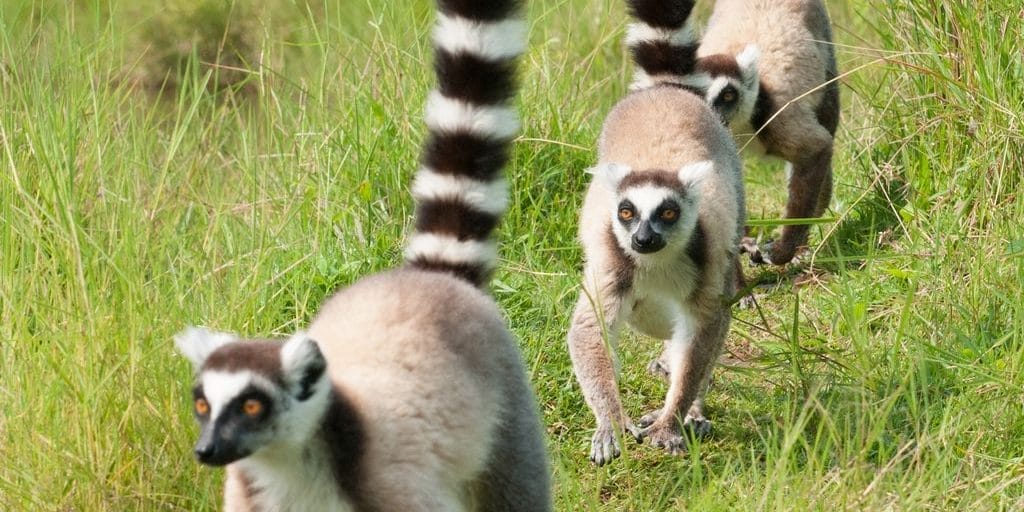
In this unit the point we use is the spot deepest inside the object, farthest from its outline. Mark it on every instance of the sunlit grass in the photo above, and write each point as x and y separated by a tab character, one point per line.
885	371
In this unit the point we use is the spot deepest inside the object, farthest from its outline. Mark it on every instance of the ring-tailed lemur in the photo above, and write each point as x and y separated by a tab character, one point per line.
663	43
768	67
413	395
660	227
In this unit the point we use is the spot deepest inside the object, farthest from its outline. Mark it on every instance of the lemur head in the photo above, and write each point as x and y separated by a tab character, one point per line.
253	395
729	83
655	209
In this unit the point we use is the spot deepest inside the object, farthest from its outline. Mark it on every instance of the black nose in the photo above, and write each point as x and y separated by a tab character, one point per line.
645	240
205	451
646	245
218	453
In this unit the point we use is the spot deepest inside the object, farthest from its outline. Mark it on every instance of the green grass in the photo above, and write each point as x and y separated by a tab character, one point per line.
884	372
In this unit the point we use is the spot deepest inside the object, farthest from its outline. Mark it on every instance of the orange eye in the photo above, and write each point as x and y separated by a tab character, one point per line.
625	214
669	215
729	97
252	407
202	407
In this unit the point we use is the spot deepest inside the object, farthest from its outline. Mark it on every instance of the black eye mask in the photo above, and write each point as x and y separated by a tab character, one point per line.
728	90
624	206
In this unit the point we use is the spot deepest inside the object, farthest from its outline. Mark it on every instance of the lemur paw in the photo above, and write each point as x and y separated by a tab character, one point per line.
658	368
759	254
699	425
780	254
667	437
648	419
796	258
604	446
747	302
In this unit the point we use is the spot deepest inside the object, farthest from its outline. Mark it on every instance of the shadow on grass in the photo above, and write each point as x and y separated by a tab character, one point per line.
871	226
866	232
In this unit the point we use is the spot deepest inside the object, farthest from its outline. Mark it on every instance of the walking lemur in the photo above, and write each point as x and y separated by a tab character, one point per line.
769	68
660	227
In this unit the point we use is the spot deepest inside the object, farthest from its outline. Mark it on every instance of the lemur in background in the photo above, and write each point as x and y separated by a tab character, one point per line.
660	228
790	106
408	391
755	58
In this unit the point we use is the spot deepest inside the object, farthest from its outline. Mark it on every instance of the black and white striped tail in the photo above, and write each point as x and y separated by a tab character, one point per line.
662	41
460	190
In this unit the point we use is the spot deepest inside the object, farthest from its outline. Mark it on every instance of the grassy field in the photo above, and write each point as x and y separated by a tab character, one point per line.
885	372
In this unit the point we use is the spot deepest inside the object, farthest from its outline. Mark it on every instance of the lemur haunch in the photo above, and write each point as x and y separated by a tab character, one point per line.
660	228
794	40
413	395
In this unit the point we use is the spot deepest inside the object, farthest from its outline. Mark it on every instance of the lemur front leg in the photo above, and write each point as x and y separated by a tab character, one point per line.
592	361
691	354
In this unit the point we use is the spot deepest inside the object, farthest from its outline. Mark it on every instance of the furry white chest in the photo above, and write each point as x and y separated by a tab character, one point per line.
292	486
660	298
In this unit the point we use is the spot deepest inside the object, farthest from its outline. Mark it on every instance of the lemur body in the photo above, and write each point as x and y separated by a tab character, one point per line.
668	275
420	403
793	103
407	392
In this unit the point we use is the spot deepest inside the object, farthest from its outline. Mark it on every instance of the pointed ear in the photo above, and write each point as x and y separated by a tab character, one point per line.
747	60
197	343
303	365
610	173
695	173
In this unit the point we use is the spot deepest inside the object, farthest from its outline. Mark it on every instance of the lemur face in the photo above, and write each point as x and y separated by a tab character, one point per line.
656	210
729	83
252	394
648	216
236	412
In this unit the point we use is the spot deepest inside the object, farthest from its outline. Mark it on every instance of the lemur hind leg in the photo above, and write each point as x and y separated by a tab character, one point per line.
595	370
810	175
797	137
825	195
739	283
659	366
695	420
691	358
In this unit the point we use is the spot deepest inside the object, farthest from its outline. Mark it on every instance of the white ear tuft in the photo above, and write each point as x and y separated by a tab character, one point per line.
695	173
197	343
303	365
748	60
610	173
